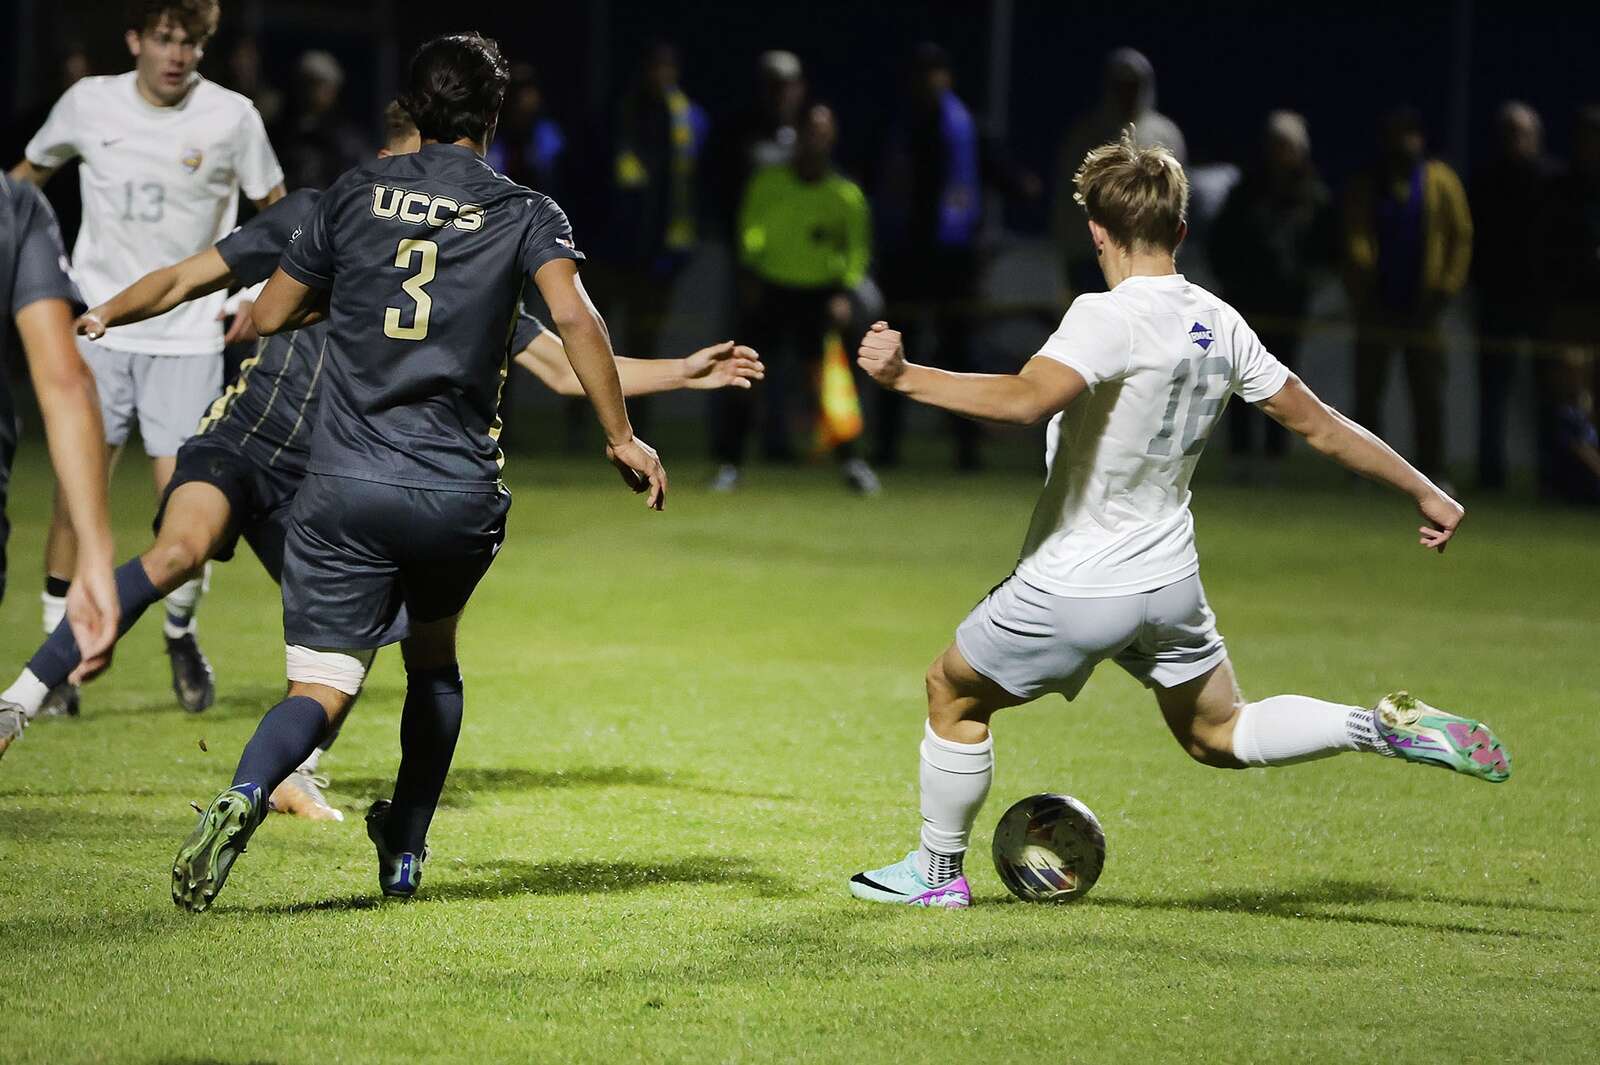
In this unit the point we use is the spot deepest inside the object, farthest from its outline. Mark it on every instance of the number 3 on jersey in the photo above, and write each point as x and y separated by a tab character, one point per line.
415	287
1205	402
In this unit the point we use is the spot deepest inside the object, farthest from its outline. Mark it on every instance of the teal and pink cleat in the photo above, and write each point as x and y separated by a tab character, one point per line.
1418	732
902	883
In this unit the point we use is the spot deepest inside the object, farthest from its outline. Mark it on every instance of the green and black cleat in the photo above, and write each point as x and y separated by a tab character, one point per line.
207	856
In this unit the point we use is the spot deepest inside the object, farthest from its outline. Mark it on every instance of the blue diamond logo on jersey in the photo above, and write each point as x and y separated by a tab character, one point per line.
1201	336
191	159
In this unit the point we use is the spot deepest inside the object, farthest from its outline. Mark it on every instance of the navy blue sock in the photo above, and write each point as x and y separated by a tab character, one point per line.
289	732
429	726
58	656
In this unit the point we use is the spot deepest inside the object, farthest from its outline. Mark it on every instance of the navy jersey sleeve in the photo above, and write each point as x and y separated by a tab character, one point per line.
549	236
309	257
525	331
41	267
252	251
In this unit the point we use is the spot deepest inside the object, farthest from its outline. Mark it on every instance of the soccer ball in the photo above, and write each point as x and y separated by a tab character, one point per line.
1049	848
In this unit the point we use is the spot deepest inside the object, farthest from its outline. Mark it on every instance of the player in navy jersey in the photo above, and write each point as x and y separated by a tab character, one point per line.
418	263
237	476
36	293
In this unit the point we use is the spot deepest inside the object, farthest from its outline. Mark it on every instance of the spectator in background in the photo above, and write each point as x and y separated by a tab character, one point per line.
1129	99
1570	235
529	146
1508	196
1276	230
1408	245
656	155
245	76
805	241
1569	446
316	142
938	167
764	133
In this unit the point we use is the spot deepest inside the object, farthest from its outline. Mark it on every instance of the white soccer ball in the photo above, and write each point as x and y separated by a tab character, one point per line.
1049	848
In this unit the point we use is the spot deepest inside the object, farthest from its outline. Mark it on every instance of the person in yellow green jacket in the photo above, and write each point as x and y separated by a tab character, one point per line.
805	240
1408	248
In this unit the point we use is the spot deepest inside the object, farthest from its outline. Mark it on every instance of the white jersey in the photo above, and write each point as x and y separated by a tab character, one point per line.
1161	357
159	185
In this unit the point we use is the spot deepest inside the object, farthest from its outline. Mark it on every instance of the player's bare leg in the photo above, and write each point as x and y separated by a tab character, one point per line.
957	767
429	726
192	528
193	681
1211	720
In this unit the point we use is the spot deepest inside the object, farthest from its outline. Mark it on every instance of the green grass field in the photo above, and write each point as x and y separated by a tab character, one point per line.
686	731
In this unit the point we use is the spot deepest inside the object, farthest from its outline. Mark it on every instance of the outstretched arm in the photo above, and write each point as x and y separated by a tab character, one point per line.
1296	407
158	292
1042	388
71	410
722	365
32	174
588	349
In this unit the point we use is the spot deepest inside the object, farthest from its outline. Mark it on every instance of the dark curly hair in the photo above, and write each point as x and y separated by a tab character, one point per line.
455	87
198	18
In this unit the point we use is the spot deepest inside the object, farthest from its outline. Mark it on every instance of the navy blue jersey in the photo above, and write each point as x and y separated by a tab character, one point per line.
424	257
268	412
33	267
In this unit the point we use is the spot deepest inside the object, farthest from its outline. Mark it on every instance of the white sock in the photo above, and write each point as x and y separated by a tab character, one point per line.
28	692
1286	729
181	605
54	609
955	780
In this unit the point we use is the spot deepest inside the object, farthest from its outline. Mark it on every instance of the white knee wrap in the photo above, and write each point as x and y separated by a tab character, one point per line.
340	670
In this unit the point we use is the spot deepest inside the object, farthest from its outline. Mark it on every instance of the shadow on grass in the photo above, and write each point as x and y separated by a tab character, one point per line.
464	780
498	880
1303	902
248	702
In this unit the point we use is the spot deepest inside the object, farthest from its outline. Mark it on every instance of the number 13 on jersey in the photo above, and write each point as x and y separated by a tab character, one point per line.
426	252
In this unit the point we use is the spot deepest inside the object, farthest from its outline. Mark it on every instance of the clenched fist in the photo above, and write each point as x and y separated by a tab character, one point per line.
882	355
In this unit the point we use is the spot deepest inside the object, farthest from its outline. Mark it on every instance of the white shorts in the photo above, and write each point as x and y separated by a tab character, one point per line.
168	394
1031	642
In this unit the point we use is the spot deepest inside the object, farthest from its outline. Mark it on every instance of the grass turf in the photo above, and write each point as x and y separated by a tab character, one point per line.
686	731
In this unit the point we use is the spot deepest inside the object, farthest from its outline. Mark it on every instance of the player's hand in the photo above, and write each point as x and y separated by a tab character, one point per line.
1443	516
641	470
724	365
89	325
93	613
242	330
882	355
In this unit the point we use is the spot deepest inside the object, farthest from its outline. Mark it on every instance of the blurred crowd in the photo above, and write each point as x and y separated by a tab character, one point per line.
819	253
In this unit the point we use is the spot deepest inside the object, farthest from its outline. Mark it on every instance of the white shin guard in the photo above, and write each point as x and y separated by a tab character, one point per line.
341	670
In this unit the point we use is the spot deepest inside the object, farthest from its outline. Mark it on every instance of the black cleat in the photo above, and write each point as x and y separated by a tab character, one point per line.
192	680
62	701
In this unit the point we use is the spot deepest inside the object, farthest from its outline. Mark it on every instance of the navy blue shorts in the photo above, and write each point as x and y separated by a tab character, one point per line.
259	495
361	555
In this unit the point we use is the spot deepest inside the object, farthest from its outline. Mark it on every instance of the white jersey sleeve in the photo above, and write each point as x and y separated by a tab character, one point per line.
1092	339
1257	373
57	142
256	165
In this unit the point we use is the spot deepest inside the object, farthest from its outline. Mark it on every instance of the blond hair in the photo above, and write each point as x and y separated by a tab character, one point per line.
1140	195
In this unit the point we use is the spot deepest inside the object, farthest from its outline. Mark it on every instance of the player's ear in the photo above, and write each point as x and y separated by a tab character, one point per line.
1097	235
132	37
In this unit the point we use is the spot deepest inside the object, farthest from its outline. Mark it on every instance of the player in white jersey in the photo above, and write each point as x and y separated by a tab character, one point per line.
165	154
1133	381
